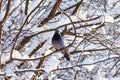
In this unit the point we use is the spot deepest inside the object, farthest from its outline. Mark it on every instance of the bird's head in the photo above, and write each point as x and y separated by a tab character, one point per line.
57	31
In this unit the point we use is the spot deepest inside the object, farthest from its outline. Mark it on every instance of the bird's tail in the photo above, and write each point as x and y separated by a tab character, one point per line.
66	55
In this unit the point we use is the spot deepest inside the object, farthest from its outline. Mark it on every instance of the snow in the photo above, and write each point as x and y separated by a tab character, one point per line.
36	29
94	26
1	16
6	26
62	21
0	49
16	54
76	68
30	75
5	57
111	56
108	19
118	78
33	5
32	47
10	72
51	64
89	67
48	52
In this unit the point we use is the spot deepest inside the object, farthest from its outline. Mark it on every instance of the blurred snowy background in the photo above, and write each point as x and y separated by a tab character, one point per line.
90	28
